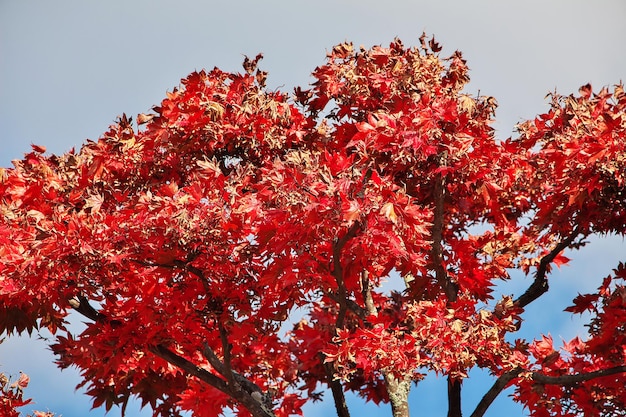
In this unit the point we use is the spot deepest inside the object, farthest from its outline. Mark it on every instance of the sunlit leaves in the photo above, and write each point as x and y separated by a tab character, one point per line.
256	237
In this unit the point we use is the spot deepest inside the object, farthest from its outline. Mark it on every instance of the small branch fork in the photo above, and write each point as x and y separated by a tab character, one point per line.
565	380
540	284
232	384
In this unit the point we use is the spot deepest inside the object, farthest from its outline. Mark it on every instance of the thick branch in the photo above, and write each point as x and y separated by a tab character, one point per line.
564	380
366	290
494	391
82	306
226	347
576	378
253	405
540	284
215	362
337	390
441	275
342	293
454	397
192	369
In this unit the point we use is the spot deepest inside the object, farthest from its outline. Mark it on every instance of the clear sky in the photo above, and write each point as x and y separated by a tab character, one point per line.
69	68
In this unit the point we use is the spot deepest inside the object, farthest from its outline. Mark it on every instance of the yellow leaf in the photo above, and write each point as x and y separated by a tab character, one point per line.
388	211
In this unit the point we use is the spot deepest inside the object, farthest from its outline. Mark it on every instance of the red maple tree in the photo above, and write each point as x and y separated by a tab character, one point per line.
232	252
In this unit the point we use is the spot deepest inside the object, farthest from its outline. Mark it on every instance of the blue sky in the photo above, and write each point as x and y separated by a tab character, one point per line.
69	68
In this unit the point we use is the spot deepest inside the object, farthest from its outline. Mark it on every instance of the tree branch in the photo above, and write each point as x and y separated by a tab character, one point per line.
238	387
342	299
247	399
226	347
454	397
449	287
192	369
366	290
342	293
350	305
574	379
540	284
81	305
215	362
337	390
494	391
563	380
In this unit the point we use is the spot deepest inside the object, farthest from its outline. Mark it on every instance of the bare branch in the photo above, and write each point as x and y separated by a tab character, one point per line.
366	290
576	378
454	397
564	380
337	390
494	391
540	284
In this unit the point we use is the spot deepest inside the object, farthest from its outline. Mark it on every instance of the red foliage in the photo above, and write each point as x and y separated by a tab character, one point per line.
235	213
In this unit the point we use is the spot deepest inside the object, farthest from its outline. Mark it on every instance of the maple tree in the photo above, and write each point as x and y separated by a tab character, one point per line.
232	250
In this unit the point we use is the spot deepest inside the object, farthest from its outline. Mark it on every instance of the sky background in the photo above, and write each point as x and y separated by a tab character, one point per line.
69	68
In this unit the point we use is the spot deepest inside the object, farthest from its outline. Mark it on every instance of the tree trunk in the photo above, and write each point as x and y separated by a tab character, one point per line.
398	391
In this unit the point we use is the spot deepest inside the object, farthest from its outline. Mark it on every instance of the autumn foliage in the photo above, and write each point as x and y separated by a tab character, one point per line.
12	397
243	248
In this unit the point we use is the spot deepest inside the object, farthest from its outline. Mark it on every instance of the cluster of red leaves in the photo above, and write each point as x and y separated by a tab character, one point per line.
202	236
11	395
420	336
603	352
578	172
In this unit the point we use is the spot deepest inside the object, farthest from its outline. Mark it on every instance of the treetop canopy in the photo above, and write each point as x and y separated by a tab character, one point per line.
193	240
